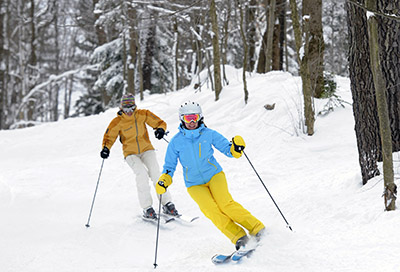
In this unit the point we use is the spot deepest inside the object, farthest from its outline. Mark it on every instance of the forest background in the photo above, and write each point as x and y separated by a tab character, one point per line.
62	59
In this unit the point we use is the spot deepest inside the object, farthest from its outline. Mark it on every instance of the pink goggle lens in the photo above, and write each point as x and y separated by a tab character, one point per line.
191	118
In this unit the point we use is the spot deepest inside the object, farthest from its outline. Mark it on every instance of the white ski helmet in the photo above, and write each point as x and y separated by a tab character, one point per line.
190	107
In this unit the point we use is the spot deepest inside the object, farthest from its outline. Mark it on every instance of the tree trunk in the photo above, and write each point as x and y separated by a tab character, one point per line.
306	81
251	34
270	35
2	66
148	57
100	33
279	35
261	55
216	53
315	53
363	93
245	47
176	56
57	60
140	65
303	62
131	61
225	44
389	38
390	189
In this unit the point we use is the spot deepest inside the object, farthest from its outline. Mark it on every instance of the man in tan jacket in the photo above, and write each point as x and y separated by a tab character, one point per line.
130	126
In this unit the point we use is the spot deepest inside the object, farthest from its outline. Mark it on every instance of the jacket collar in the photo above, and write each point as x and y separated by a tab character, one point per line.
191	133
123	116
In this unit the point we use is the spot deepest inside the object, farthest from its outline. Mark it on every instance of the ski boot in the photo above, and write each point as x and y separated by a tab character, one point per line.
169	209
149	213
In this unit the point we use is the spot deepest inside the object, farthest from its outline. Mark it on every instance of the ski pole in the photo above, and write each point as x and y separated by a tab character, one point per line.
94	197
166	134
287	223
158	230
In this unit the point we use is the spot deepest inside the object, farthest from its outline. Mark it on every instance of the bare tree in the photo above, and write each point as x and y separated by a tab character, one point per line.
390	190
315	53
246	92
2	64
216	52
273	38
131	59
251	20
302	59
270	34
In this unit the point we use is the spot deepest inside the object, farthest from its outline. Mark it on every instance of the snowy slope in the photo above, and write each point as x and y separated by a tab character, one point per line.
48	176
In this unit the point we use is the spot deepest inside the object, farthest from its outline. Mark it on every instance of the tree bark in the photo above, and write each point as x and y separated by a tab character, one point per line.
251	34
140	70
390	189
176	57
389	41
148	57
131	60
270	35
225	44
363	93
279	36
100	33
216	53
245	47
2	65
303	62
315	53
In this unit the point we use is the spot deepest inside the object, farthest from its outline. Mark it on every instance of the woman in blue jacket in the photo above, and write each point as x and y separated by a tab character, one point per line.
206	183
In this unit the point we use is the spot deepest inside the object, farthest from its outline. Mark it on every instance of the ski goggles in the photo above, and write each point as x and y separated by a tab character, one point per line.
188	118
129	108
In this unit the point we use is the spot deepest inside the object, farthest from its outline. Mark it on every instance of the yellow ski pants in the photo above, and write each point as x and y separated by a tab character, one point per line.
216	203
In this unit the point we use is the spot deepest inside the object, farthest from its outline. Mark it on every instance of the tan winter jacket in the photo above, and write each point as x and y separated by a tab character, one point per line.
132	131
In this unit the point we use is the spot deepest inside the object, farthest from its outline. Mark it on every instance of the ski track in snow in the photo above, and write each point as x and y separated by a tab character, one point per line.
48	176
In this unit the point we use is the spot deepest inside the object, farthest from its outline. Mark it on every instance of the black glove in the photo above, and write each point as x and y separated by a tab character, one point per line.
105	153
159	133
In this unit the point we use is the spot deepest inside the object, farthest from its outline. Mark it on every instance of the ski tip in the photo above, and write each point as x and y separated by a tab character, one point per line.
220	259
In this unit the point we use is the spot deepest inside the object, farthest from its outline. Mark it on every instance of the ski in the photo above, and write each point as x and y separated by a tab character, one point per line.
221	258
155	220
180	218
186	218
166	218
239	254
235	256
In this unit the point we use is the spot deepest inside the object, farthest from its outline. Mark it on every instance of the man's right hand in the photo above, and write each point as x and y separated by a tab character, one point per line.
105	153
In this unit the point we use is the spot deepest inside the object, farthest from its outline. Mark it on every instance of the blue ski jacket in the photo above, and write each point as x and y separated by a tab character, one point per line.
194	149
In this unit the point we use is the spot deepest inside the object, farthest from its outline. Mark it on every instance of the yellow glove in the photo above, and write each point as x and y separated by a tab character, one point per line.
164	181
237	146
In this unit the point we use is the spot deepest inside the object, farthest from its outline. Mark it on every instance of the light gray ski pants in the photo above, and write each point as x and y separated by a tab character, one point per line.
145	166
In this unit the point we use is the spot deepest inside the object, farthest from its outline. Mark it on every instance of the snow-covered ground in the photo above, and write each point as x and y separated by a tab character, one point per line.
48	175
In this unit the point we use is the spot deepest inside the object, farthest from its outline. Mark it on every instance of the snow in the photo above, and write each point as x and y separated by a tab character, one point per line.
48	175
370	14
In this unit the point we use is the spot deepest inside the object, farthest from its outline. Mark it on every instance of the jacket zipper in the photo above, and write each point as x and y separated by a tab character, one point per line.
197	162
137	132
